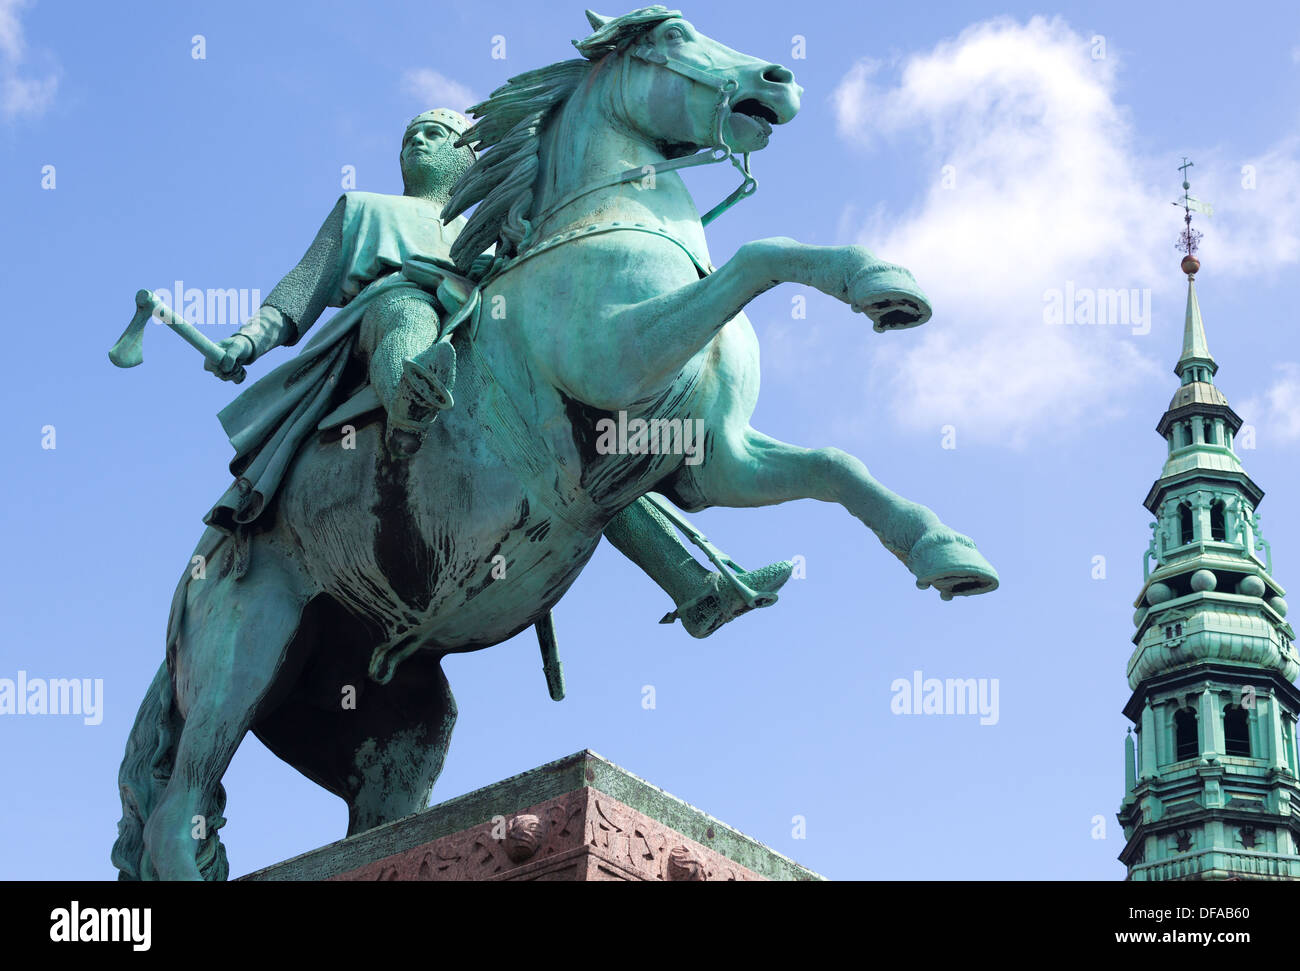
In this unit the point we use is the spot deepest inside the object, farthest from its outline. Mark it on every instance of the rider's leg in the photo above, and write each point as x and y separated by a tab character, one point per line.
397	328
705	601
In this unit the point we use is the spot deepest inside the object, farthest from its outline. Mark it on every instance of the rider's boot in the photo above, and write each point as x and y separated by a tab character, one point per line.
704	600
423	390
719	600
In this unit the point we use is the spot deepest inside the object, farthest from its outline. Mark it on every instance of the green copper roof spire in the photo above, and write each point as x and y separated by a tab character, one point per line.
1195	363
1211	778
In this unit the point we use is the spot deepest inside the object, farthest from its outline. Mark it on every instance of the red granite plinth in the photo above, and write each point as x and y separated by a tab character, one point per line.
581	835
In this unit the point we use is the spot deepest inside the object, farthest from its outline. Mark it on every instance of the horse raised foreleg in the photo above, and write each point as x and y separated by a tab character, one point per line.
652	339
752	469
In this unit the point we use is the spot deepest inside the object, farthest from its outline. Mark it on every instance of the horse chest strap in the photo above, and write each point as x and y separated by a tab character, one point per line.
596	229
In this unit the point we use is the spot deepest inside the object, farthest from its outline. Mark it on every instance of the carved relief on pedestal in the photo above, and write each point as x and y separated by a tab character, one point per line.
485	851
581	835
627	837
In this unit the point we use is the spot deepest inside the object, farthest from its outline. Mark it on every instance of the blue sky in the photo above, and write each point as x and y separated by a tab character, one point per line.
1001	152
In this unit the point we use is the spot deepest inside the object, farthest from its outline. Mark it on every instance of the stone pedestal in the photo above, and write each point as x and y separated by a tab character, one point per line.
578	818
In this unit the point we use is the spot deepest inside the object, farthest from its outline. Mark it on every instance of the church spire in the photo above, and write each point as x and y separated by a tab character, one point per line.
1211	779
1195	363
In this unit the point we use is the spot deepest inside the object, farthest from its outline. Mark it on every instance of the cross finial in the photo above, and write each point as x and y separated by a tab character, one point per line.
1190	238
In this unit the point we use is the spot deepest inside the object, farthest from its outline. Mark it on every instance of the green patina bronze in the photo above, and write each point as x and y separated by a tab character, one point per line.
431	473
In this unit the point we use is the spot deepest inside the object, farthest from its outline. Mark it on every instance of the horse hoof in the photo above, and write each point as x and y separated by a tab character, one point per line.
951	564
889	295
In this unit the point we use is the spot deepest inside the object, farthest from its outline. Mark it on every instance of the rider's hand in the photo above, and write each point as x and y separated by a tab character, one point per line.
238	350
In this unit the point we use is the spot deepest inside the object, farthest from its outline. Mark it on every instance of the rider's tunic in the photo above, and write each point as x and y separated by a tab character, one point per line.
356	256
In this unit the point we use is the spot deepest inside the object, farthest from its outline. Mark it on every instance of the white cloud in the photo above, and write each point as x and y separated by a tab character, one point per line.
26	96
1256	226
1276	413
19	96
1048	190
435	90
11	31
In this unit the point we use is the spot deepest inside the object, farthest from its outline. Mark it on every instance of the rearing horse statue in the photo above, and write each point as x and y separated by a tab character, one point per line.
600	301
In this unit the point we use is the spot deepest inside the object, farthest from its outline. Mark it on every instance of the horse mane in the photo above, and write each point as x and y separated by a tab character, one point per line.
508	138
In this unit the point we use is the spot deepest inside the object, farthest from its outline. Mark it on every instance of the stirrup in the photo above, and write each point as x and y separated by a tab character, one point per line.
722	600
429	377
423	390
728	567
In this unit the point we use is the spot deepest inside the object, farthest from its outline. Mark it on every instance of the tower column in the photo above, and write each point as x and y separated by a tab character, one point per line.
1130	764
1271	726
1232	520
1148	741
1201	510
1212	743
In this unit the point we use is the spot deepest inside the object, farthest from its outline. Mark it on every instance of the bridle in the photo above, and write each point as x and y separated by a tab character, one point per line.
719	151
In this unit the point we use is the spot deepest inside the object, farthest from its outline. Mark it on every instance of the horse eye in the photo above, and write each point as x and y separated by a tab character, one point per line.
674	33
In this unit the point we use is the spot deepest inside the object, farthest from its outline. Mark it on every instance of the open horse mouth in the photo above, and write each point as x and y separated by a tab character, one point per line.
763	116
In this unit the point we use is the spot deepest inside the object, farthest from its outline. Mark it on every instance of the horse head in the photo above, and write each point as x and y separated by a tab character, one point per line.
650	91
684	91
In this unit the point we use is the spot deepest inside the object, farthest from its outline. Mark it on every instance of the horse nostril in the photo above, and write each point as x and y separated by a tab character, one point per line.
778	74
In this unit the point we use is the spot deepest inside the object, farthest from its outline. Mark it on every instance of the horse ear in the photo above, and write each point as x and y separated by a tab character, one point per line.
596	20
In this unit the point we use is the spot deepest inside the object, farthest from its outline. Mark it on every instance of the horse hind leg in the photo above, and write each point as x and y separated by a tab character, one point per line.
380	747
231	649
399	747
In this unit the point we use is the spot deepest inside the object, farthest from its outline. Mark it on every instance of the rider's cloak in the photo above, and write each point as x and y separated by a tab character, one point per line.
270	420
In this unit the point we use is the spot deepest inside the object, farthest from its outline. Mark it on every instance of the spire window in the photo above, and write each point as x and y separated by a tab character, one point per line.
1187	742
1236	731
1186	533
1218	521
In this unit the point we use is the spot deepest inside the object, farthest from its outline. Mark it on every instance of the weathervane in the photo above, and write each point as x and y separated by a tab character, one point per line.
1190	237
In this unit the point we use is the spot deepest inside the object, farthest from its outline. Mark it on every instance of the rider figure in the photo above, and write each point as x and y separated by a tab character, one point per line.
356	255
367	236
